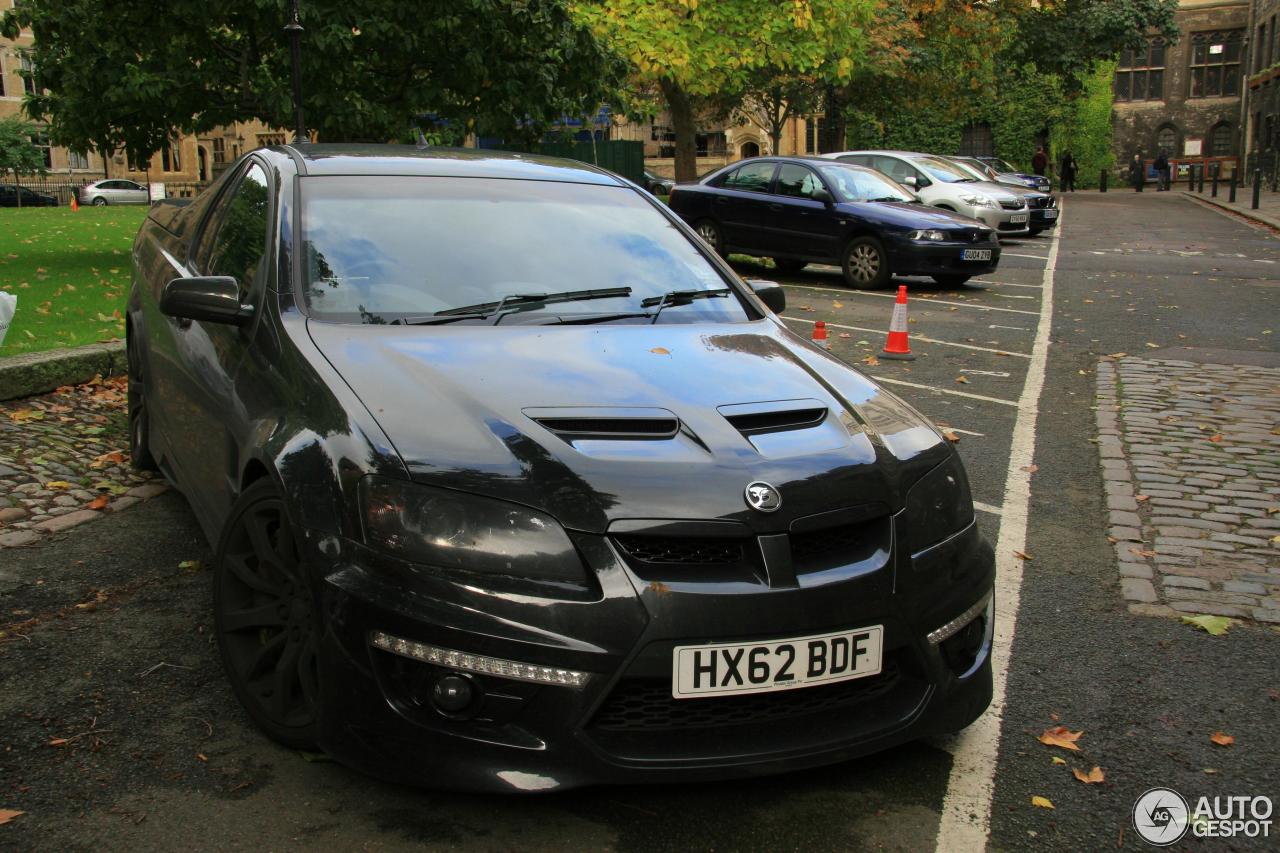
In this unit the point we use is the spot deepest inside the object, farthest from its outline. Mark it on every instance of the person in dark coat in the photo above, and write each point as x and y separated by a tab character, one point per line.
1162	172
1067	173
1040	161
1137	173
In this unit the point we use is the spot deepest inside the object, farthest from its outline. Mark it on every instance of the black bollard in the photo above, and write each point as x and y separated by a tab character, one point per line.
1231	197
1214	193
1257	187
1200	183
1102	181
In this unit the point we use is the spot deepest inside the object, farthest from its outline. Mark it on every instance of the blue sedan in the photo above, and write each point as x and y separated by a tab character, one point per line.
801	210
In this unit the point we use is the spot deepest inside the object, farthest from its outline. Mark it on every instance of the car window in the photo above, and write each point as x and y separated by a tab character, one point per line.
797	181
854	184
941	170
381	249
856	159
753	177
241	235
896	169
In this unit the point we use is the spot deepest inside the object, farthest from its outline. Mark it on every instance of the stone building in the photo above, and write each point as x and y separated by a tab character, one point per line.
1186	98
1262	92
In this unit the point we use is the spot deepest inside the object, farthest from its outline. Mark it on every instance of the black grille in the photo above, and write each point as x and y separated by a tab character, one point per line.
762	422
611	427
686	551
1040	203
820	543
648	705
1011	205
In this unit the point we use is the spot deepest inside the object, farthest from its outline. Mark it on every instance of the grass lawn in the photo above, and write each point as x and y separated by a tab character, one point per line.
70	272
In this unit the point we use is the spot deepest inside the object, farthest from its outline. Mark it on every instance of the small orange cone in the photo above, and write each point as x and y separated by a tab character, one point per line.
820	335
75	205
897	346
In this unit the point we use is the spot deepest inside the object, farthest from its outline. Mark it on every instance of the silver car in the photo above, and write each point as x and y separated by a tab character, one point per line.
943	184
113	191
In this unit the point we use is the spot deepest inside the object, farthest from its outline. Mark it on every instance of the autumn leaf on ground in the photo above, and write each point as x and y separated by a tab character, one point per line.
1041	802
1056	760
806	308
870	360
845	335
97	503
26	415
1215	625
1141	498
1061	736
837	304
1022	555
202	756
660	351
1093	777
1153	346
1222	739
1216	438
963	380
1032	468
58	741
1118	354
1141	552
7	815
950	436
191	565
57	484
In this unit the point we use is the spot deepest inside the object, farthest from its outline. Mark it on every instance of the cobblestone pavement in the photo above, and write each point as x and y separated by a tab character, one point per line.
1191	465
64	460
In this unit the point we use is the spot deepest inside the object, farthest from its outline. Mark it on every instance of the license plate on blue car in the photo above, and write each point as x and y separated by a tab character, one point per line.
975	255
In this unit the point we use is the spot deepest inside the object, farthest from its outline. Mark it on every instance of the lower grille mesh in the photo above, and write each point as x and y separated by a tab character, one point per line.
687	551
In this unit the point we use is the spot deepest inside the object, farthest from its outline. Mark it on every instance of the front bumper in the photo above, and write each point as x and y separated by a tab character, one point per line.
908	257
1002	220
623	726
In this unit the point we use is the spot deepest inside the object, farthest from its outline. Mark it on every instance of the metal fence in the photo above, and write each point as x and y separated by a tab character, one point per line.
62	190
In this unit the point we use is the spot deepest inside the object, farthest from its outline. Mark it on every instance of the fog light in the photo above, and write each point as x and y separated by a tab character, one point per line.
955	625
452	694
451	659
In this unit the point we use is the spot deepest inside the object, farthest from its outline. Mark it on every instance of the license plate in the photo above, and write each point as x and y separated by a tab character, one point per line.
1017	218
731	669
1051	214
975	255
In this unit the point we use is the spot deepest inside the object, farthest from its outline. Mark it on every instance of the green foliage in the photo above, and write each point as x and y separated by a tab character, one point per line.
18	154
1026	105
130	75
1084	127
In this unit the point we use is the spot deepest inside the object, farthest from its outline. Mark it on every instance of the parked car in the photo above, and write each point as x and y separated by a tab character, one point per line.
516	485
942	184
11	193
657	184
1043	207
113	191
801	210
1009	173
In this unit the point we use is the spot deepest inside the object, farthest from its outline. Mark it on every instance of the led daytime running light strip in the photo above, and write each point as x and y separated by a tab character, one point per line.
955	625
478	663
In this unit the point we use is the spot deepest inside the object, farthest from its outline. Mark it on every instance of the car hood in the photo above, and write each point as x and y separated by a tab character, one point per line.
484	410
997	191
906	215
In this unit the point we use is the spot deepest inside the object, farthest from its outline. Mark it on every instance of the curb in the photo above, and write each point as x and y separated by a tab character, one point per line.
1246	212
37	373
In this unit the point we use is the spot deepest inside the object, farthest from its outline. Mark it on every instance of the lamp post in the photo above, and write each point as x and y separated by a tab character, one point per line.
293	30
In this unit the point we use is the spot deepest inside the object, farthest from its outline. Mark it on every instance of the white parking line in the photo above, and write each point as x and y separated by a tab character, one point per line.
945	391
929	301
966	808
1002	283
1017	255
981	507
1011	296
831	325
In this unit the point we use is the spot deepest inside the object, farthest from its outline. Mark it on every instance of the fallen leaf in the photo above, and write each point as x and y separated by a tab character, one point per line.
1021	555
1153	346
1141	552
1056	760
660	351
1216	438
1061	736
1222	739
806	308
1215	625
1042	802
837	304
1088	301
191	565
58	741
1033	467
57	484
950	436
1141	498
7	815
844	335
26	415
1118	355
1093	777
870	360
963	380
1209	771
97	503
203	757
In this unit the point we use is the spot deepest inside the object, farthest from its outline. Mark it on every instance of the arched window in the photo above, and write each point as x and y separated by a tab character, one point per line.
750	149
976	141
1167	140
1221	140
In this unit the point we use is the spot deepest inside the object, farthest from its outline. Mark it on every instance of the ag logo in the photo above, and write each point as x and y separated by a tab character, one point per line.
763	497
1161	816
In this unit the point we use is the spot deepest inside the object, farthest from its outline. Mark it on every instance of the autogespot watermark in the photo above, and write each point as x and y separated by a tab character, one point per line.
1162	816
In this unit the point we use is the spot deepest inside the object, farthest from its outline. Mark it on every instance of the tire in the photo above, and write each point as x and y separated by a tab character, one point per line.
789	265
267	620
709	231
100	201
1034	231
865	264
951	280
139	421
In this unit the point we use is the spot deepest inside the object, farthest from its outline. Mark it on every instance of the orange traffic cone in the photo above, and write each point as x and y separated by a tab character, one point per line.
897	346
820	335
75	205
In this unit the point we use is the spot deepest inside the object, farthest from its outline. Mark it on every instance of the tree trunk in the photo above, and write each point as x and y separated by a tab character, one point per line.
834	127
17	189
685	126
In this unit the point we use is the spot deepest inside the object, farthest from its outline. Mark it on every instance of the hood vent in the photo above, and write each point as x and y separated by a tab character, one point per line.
775	416
607	424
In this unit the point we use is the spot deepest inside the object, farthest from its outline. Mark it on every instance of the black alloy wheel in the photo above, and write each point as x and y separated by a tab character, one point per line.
865	264
709	231
139	425
789	265
951	280
267	619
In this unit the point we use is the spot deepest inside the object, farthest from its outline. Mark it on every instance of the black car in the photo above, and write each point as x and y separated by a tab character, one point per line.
10	193
515	486
1009	174
801	210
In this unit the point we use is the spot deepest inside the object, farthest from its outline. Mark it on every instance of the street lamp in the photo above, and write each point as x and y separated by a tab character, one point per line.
293	30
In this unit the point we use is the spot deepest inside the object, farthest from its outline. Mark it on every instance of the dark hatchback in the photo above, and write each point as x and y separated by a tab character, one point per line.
12	195
515	486
801	210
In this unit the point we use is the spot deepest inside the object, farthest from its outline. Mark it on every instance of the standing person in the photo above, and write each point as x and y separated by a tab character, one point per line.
1137	173
1162	172
1039	161
1067	173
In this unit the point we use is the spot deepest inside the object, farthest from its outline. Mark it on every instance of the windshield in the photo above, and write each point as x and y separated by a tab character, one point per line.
400	249
849	183
941	170
976	169
1001	165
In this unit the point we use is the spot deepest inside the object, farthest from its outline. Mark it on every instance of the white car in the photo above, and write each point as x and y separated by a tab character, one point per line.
114	191
943	184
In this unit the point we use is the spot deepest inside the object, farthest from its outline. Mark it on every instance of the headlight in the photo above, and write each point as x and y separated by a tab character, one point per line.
927	235
938	505
979	201
460	531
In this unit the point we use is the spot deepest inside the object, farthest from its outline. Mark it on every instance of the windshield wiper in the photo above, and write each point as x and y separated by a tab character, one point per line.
680	297
510	303
888	198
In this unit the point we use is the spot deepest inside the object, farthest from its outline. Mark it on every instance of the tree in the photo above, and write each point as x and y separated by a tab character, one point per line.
690	49
369	67
773	96
17	152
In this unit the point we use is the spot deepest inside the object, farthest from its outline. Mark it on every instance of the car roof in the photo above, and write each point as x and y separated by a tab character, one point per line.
884	151
814	159
432	161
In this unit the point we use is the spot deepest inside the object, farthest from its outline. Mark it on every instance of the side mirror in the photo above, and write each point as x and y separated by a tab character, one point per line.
910	182
823	195
770	293
214	298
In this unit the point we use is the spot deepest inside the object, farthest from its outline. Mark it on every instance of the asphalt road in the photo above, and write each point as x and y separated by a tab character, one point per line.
113	656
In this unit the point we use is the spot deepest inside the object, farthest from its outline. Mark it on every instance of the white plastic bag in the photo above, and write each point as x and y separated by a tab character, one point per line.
8	306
